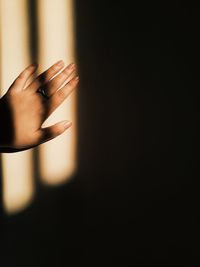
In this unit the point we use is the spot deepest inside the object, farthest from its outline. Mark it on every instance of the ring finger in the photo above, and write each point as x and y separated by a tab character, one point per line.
54	84
59	96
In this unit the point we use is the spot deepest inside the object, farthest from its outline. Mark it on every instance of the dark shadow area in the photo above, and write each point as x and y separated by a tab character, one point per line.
33	29
135	198
33	48
7	120
1	195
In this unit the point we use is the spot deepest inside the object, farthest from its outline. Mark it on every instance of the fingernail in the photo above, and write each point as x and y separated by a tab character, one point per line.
59	63
77	78
67	124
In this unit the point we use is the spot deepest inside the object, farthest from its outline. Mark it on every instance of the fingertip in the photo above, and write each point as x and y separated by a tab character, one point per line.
33	65
76	79
59	63
32	68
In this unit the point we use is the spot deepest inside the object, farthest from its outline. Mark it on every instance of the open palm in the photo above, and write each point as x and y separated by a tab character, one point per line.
23	109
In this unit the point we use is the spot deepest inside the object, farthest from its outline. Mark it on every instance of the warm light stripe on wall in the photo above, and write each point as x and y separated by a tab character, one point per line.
17	167
56	41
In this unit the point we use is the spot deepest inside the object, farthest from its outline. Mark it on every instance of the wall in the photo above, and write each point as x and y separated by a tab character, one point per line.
135	196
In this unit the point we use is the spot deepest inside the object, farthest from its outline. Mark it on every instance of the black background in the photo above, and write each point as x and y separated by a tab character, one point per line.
135	196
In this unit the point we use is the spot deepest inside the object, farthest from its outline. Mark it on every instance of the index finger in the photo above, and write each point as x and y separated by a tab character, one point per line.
44	77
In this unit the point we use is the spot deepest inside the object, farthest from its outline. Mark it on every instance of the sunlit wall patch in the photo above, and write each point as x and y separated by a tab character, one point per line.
56	159
18	187
56	41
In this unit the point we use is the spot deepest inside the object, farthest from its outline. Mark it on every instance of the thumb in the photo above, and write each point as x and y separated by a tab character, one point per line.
53	131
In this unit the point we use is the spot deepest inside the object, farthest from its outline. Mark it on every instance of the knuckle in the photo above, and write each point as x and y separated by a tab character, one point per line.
22	75
53	132
73	83
66	71
37	83
54	68
61	94
12	92
58	130
46	76
54	82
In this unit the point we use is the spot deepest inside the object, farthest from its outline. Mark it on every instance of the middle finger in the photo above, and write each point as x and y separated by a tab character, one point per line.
44	77
54	84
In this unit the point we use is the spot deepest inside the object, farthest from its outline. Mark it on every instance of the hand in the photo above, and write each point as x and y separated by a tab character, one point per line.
23	109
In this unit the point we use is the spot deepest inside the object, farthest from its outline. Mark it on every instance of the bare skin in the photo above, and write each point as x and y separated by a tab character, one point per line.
23	109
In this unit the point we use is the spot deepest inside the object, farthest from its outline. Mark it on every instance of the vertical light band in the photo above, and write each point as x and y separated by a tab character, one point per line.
17	167
56	41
